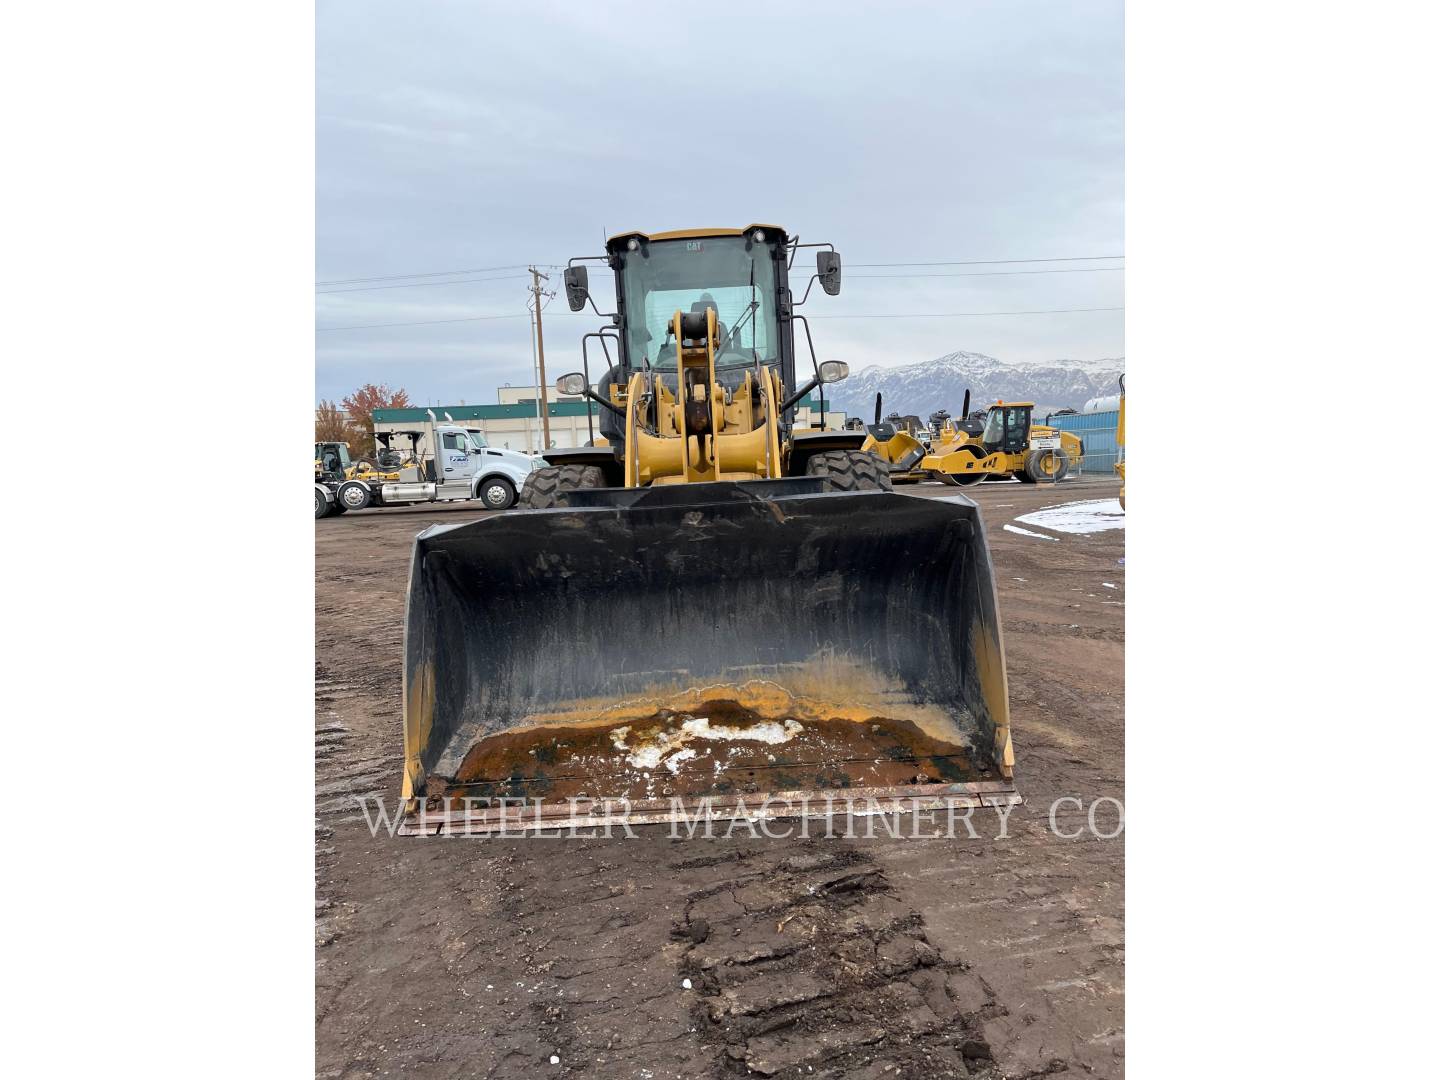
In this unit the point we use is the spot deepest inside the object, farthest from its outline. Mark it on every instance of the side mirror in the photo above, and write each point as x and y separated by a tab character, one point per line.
577	287
832	371
574	383
827	266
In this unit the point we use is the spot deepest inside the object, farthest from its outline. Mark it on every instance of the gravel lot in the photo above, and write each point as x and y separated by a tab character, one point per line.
805	957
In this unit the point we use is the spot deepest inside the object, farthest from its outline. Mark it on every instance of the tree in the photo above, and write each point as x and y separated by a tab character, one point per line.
370	397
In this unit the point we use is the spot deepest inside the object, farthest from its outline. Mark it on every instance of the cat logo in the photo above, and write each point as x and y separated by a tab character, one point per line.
694	245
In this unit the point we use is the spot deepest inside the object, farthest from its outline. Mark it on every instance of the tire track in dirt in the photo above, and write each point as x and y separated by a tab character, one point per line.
810	965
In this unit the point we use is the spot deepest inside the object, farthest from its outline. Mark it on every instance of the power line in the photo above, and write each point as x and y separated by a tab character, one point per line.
433	273
423	322
557	266
418	284
999	262
996	273
919	315
871	277
960	314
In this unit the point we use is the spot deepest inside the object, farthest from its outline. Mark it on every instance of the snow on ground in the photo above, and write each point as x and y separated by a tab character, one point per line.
1027	532
1090	516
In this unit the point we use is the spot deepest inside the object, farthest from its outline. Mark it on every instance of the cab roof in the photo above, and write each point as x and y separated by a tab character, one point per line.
692	234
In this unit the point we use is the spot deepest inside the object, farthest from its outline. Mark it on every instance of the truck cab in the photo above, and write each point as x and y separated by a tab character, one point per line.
491	474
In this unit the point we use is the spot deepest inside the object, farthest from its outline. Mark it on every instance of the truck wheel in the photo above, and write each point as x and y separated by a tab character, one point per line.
544	486
353	495
1046	465
849	470
322	504
497	493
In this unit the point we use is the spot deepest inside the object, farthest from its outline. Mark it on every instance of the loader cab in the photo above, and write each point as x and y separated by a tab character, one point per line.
741	275
1007	428
332	460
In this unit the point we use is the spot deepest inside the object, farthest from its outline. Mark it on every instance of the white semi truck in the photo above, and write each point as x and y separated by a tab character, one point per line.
457	466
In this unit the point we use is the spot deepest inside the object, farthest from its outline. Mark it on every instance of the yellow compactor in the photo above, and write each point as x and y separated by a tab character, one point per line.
965	451
1008	444
711	614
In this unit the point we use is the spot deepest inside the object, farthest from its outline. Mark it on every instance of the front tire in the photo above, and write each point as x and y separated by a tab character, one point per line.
1048	466
849	470
497	493
544	488
353	495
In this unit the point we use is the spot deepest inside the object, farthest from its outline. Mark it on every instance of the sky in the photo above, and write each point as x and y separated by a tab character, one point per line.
475	135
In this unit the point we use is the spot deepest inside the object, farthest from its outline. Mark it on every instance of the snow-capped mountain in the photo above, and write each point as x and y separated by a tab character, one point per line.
941	383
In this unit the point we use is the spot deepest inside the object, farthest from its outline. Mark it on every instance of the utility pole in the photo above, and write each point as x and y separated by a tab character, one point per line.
540	355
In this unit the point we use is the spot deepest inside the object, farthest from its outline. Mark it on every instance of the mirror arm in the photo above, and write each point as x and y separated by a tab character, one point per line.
814	363
789	403
589	392
813	278
616	409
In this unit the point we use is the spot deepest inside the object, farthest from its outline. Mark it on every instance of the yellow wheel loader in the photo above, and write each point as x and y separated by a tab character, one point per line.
712	614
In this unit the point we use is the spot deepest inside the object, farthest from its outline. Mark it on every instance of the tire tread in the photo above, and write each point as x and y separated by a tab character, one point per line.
850	470
543	487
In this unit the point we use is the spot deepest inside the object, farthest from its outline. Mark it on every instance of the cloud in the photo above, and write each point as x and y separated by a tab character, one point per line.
458	135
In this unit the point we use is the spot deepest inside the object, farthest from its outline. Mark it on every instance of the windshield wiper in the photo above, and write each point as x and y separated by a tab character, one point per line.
753	307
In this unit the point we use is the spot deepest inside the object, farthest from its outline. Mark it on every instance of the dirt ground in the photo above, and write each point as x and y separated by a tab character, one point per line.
806	957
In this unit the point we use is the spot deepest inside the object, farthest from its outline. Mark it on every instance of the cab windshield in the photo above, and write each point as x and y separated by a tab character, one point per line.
994	426
733	274
477	440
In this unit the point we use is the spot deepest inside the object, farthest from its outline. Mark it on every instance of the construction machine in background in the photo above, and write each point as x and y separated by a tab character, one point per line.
1008	444
332	467
998	443
903	448
711	616
1120	442
897	447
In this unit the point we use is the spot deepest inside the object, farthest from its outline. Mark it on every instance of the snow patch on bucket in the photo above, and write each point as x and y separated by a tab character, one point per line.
768	732
667	747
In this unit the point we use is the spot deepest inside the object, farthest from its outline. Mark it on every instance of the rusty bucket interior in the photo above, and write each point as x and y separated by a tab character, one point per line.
710	646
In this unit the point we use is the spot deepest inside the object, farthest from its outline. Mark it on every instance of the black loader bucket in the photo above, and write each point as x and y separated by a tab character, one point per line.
705	650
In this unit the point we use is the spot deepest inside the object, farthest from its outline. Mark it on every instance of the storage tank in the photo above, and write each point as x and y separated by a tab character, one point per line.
1108	403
